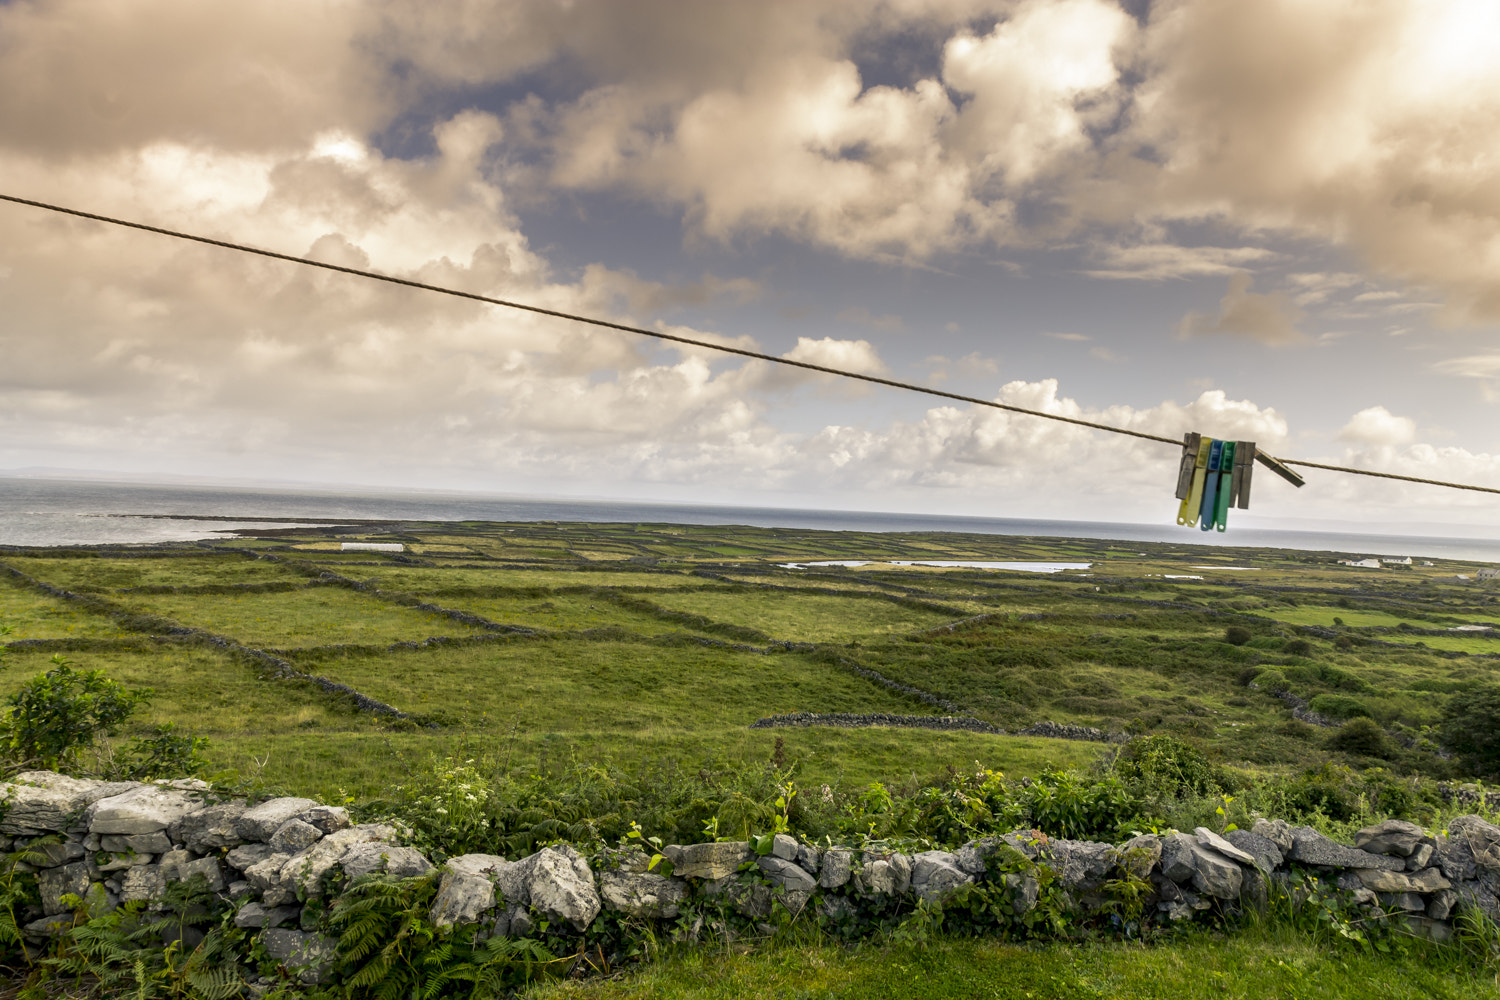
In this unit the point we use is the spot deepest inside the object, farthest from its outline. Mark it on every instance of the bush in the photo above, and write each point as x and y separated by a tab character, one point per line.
58	715
1361	737
1237	635
1166	765
1471	729
1272	681
1339	706
1297	647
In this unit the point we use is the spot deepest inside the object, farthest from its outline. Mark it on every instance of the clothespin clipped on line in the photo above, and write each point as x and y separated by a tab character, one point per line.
1215	475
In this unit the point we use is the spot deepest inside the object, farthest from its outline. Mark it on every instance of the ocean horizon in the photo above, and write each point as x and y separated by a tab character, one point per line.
46	511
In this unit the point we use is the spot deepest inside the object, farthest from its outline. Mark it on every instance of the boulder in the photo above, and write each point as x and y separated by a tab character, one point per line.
253	916
708	861
970	858
294	835
809	859
1408	901
885	874
1419	858
147	882
935	874
402	862
1481	838
141	843
1312	848
210	868
1277	831
1212	840
461	899
1139	855
304	870
561	886
1427	880
208	829
751	900
642	894
53	855
55	883
1440	906
143	809
246	855
1263	851
309	955
786	874
258	823
784	847
837	865
1024	892
1185	860
1083	865
39	802
327	819
118	862
1394	836
509	877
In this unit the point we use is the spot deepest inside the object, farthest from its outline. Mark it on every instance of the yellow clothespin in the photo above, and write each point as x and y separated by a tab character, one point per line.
1187	513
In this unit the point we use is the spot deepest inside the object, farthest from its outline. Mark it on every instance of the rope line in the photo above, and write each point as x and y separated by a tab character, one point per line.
1276	465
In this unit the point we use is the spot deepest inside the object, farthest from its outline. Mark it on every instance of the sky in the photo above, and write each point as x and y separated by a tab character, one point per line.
1275	221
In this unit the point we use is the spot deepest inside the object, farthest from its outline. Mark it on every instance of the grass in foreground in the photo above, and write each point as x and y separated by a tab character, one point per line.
1250	965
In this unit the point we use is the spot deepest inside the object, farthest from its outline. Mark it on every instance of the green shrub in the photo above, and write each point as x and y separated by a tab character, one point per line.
1471	729
1166	765
1272	681
1339	706
1297	647
1237	635
58	715
1360	736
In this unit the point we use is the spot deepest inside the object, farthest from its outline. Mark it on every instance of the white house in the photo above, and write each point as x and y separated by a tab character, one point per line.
372	547
1489	573
1404	561
1361	563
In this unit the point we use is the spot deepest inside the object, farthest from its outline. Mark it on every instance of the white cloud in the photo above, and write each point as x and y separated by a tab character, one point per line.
1379	427
1160	261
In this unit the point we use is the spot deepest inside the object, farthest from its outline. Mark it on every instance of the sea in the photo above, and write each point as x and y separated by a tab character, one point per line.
48	511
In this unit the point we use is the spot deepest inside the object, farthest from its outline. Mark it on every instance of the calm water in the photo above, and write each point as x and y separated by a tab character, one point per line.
73	512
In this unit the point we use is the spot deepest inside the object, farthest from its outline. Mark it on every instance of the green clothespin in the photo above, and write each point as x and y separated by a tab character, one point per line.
1226	482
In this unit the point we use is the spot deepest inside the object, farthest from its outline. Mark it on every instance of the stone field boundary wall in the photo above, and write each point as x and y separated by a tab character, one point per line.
118	842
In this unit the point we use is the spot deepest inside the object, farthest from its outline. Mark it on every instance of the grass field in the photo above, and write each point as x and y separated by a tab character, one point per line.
656	641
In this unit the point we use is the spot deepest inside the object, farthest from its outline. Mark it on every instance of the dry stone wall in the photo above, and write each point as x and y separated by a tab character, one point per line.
276	863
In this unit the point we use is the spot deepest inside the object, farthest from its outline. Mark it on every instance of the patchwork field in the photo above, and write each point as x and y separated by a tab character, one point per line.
656	642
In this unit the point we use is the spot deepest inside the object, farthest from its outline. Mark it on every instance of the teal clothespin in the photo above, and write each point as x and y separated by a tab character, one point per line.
1226	484
1211	487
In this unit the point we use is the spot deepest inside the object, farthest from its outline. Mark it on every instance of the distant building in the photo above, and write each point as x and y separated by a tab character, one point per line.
372	547
1403	561
1426	562
1489	573
1361	563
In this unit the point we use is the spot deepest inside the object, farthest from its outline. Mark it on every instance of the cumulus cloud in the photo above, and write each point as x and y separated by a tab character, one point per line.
1379	427
1268	318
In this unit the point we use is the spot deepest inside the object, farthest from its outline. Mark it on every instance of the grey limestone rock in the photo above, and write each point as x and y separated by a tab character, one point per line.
259	822
1212	840
247	855
509	877
327	819
1083	864
210	868
809	859
1440	906
461	899
304	871
1411	902
310	956
141	843
210	828
39	802
786	874
935	874
1139	855
143	809
1277	831
885	874
1177	857
255	916
970	859
1312	848
561	886
1420	858
266	874
52	855
49	925
1184	860
642	894
837	865
1024	892
147	882
118	861
402	862
1394	836
55	883
1427	880
748	900
1264	852
708	861
294	835
784	847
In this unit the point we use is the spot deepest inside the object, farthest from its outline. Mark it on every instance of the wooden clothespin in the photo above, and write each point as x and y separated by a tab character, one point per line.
1244	466
1189	460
